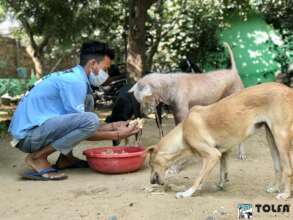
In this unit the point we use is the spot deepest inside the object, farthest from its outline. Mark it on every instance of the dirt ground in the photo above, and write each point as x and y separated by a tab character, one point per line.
91	195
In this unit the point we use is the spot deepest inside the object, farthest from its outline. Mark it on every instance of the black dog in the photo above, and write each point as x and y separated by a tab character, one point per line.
126	107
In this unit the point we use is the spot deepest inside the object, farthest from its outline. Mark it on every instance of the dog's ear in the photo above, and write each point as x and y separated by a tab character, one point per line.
146	91
150	149
141	92
133	88
149	152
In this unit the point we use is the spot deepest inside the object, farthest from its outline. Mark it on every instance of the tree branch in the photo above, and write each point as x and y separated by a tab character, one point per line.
44	43
156	40
29	32
16	7
174	21
150	2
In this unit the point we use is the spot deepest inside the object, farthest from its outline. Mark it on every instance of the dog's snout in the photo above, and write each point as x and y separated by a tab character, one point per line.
155	179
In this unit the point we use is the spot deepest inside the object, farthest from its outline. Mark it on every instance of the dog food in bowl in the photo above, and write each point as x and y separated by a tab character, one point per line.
122	159
110	151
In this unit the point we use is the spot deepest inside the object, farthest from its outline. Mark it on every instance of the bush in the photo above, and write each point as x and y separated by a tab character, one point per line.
16	87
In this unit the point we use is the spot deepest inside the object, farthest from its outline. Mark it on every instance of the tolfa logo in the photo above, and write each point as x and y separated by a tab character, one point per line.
244	211
279	208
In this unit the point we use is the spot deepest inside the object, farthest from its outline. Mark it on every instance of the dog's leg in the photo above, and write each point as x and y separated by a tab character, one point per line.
158	114
242	153
223	171
180	112
275	187
177	167
283	144
138	138
210	156
116	142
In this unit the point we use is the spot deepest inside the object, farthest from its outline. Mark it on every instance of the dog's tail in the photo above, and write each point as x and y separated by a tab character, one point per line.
231	55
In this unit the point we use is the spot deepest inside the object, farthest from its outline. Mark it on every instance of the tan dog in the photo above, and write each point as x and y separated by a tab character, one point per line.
211	131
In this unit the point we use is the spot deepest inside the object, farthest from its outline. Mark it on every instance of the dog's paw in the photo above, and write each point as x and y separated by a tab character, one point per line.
220	186
242	157
179	195
273	189
185	194
283	196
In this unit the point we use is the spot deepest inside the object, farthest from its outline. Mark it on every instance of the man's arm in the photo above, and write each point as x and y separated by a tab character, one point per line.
120	133
114	126
104	135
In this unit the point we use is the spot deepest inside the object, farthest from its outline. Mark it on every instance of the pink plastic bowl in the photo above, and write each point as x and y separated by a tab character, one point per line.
120	159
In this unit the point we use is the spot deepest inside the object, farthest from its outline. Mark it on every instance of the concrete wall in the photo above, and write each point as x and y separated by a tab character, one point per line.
13	55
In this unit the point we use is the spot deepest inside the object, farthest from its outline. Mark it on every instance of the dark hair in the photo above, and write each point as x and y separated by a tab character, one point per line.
95	50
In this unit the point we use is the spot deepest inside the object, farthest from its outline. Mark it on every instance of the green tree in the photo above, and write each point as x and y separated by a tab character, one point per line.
190	29
150	35
2	13
58	24
280	15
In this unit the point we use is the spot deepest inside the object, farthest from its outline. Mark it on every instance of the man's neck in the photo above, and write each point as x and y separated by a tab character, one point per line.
86	69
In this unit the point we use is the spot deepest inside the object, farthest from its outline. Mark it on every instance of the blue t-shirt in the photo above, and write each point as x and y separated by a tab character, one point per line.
56	94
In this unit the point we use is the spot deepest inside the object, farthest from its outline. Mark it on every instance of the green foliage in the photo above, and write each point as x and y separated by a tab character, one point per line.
16	87
282	58
11	86
2	12
62	20
280	15
285	58
180	27
278	12
61	26
190	29
3	129
216	59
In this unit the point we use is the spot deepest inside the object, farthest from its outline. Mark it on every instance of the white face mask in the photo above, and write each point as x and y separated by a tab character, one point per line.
97	80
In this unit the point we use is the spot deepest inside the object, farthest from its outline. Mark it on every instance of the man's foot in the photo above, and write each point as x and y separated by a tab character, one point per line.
43	175
41	164
69	162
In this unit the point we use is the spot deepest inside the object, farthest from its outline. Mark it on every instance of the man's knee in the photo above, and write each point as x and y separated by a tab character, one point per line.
90	120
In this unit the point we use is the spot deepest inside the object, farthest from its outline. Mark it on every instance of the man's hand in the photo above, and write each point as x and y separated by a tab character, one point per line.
118	124
108	132
126	130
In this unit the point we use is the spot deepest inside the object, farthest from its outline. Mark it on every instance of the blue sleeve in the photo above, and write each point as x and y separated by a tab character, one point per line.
72	94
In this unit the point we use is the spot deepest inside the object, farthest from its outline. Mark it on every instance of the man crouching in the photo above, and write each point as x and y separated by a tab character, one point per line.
51	116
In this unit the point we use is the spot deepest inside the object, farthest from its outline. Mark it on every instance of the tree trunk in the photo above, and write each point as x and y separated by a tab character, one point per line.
156	38
136	56
37	60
